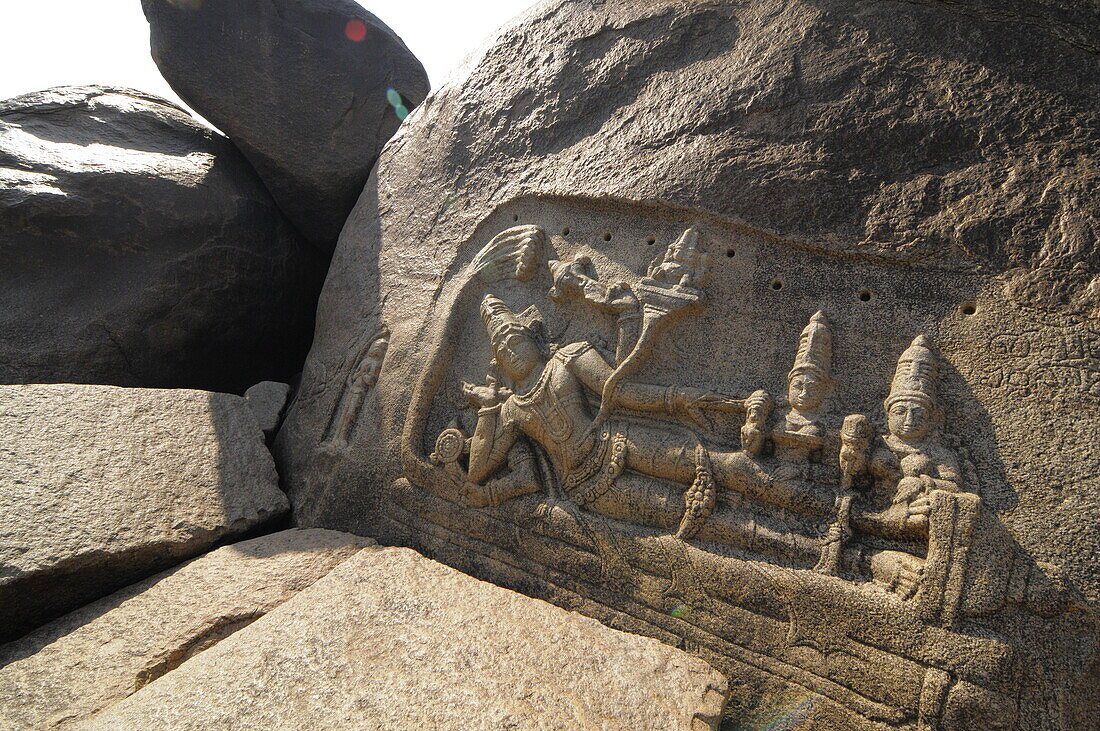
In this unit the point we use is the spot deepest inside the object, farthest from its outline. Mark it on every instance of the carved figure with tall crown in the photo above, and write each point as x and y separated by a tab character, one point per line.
909	465
801	431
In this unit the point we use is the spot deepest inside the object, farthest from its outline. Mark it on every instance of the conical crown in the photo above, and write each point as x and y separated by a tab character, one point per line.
916	374
815	348
500	320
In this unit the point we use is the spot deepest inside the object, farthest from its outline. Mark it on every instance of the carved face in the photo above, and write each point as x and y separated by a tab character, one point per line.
909	419
518	355
806	391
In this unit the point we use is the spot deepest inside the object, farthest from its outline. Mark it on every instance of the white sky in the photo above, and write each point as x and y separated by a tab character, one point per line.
58	42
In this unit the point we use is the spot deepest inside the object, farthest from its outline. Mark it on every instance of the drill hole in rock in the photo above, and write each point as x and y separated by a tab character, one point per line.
777	284
865	295
968	308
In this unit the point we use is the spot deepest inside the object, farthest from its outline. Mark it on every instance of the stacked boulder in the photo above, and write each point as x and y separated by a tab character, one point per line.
140	249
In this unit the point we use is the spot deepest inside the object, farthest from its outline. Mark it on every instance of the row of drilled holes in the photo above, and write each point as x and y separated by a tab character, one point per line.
967	308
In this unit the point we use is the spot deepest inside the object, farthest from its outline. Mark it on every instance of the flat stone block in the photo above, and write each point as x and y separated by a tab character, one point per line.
390	639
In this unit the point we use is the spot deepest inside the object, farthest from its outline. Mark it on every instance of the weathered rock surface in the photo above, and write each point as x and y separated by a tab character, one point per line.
300	86
140	249
392	640
267	399
922	173
88	660
101	486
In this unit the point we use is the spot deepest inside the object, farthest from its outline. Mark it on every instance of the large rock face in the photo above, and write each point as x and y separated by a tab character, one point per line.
139	249
305	88
101	486
894	204
94	657
392	640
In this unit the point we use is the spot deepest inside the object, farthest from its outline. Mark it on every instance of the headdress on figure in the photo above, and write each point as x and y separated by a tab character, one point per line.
500	320
815	349
916	375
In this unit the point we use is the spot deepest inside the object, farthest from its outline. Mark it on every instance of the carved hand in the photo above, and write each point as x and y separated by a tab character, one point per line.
918	513
908	489
692	402
485	396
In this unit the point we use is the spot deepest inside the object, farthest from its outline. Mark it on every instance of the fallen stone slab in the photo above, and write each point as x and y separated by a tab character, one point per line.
390	639
101	653
101	486
139	248
309	90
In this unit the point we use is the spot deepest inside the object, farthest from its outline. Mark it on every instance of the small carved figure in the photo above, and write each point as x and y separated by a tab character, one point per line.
808	386
758	407
360	382
683	265
855	441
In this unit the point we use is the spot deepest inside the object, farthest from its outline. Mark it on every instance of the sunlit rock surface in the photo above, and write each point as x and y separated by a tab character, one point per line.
102	486
94	657
391	640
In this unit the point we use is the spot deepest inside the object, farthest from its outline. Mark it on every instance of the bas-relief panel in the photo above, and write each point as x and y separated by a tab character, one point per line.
756	450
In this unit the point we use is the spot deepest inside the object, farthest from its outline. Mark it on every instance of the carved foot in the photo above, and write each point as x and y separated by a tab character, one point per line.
898	572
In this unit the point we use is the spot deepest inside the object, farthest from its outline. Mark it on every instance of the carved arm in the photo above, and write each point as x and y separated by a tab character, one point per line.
594	371
493	437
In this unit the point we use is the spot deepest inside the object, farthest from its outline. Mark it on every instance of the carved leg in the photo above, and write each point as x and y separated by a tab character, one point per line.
740	472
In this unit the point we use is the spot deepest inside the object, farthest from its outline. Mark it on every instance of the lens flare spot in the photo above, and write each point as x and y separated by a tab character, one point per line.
402	111
356	30
393	97
679	610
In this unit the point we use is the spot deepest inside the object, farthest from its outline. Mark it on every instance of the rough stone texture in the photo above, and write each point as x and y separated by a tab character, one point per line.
94	657
102	486
300	86
392	640
140	249
267	400
923	173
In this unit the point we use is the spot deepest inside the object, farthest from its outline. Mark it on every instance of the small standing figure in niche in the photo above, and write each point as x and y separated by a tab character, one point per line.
912	463
361	381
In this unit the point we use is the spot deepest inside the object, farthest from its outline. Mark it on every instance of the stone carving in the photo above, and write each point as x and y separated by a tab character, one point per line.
562	438
360	382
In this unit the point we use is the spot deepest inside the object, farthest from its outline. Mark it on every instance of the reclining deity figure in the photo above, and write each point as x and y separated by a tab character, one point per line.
619	469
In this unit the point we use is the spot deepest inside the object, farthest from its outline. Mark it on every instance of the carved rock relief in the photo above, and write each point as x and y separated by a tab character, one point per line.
562	412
